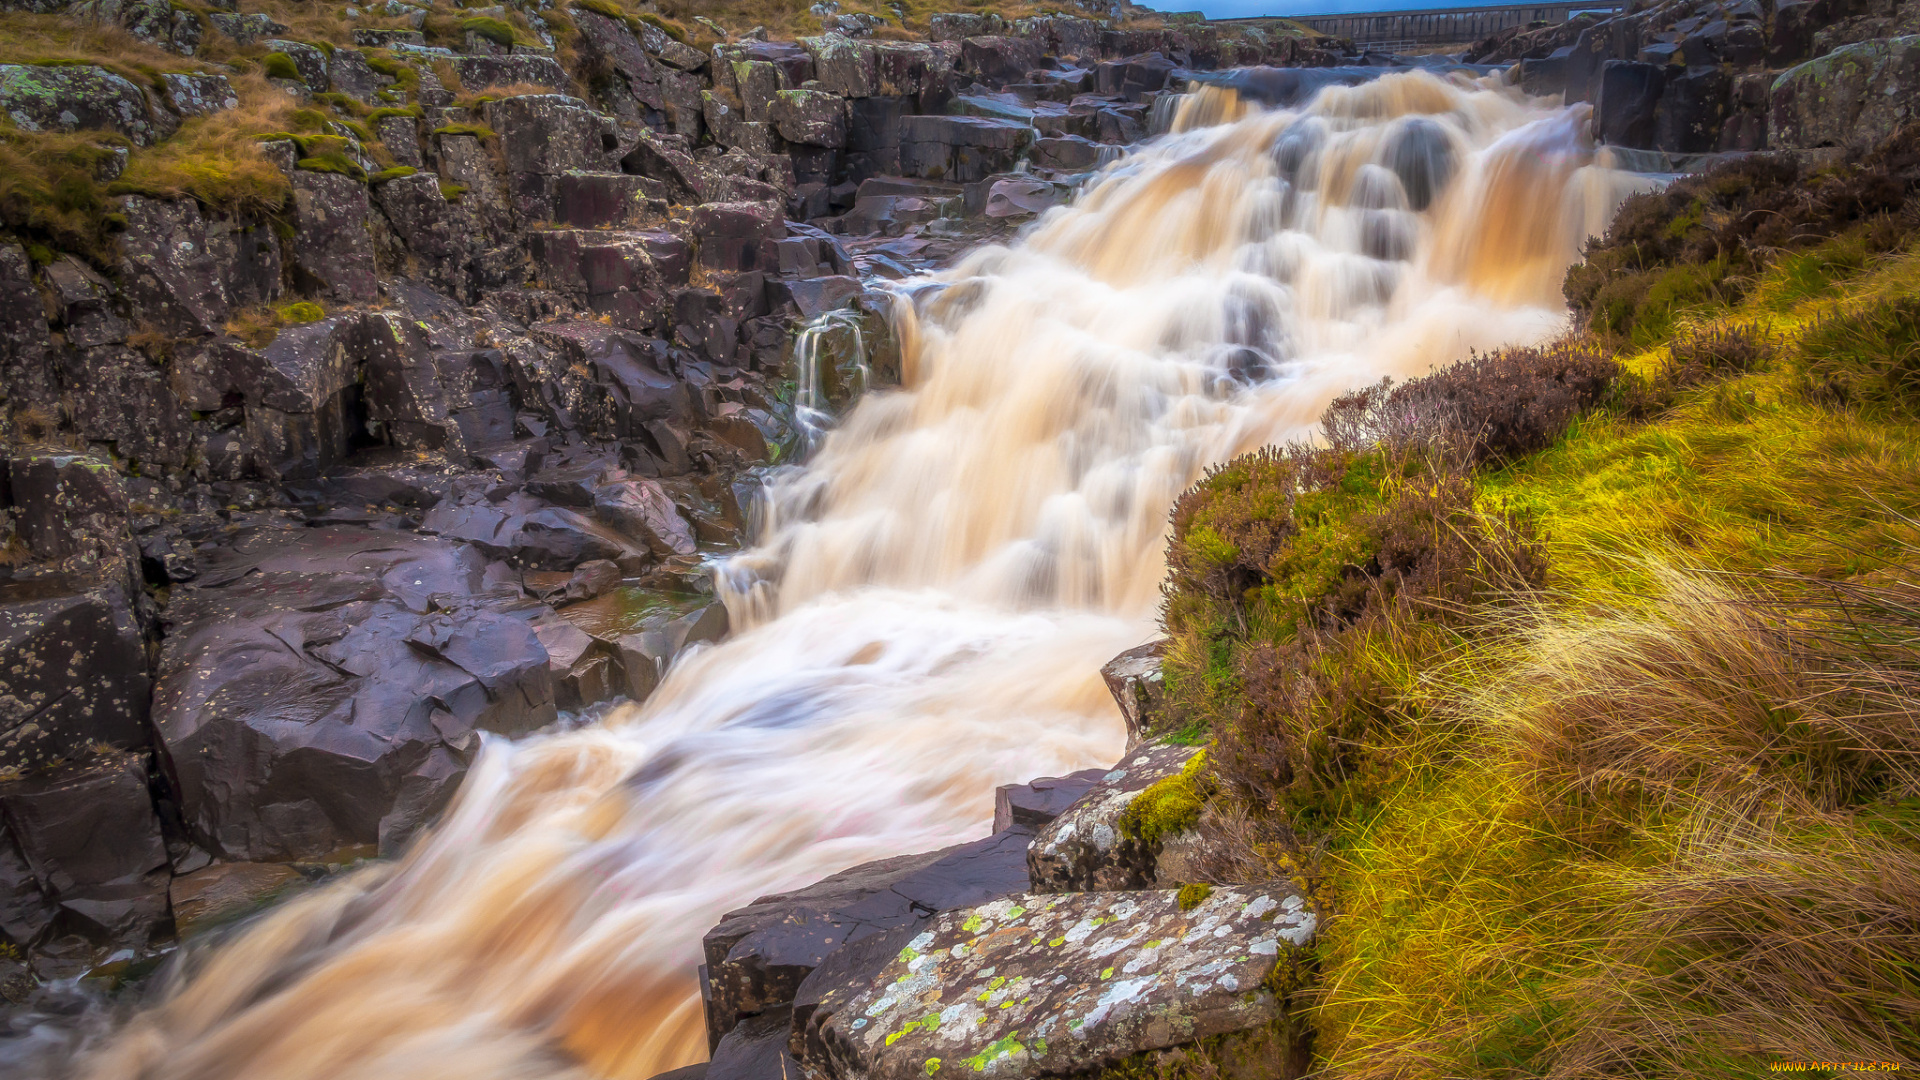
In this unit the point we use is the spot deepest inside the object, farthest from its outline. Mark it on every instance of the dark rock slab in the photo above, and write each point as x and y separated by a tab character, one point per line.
756	1049
758	955
73	670
1034	804
1623	115
1084	848
478	72
1063	985
89	835
70	509
184	272
812	117
332	253
320	688
961	148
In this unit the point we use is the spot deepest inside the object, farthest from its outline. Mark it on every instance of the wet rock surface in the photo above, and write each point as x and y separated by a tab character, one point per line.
758	956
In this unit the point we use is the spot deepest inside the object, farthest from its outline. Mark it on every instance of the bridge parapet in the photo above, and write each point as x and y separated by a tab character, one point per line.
1387	30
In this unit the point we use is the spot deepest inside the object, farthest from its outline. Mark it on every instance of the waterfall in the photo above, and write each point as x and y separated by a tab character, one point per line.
931	595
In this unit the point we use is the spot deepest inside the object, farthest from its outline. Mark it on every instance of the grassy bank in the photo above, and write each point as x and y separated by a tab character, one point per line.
1581	685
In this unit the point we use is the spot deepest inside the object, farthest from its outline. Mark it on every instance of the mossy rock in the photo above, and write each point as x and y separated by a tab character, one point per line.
278	65
494	30
332	163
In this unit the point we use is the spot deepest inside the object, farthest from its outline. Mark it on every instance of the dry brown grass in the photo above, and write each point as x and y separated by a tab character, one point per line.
1754	948
216	159
1720	695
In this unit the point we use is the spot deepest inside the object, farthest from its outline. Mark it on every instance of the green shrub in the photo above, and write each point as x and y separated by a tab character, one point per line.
394	173
278	65
412	112
452	192
479	131
304	311
308	120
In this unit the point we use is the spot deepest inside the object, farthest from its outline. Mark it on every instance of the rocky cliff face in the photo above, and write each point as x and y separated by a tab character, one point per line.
1691	77
301	498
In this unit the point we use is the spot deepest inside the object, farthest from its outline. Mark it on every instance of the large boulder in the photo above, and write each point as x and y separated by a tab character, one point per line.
1629	94
299	395
546	133
758	956
843	66
73	670
75	97
321	688
90	841
809	116
998	61
1692	115
184	272
332	250
120	396
738	237
199	95
612	383
71	511
1064	985
1086	848
1852	97
961	148
479	72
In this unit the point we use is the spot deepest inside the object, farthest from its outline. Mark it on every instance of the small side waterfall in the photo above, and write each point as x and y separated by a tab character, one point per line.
831	368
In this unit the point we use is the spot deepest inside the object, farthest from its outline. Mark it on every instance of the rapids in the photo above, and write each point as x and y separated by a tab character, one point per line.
931	595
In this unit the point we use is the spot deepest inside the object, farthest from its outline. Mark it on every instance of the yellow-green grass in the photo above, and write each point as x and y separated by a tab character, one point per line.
1499	912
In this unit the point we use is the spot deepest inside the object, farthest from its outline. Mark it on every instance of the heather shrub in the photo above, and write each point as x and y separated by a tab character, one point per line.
1307	585
1704	238
1496	407
1696	357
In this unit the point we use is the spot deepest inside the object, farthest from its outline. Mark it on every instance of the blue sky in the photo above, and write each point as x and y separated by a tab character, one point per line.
1234	9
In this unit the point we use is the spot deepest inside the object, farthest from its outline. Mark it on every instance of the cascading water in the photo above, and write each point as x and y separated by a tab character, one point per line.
932	595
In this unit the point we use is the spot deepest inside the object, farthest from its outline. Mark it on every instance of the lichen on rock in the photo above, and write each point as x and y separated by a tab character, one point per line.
1061	984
